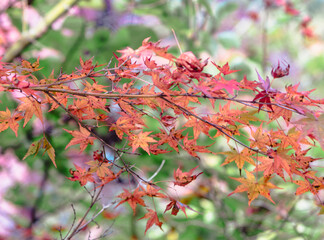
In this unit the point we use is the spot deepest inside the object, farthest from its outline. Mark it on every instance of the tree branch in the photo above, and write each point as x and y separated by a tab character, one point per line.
27	38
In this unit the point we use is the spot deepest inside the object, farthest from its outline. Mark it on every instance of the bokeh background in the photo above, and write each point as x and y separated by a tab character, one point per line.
249	35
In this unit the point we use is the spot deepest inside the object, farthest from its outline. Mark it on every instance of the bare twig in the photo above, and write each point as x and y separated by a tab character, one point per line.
79	226
27	38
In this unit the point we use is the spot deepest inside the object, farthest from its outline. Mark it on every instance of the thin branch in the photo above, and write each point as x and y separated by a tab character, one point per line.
79	227
219	128
96	215
161	95
86	127
157	171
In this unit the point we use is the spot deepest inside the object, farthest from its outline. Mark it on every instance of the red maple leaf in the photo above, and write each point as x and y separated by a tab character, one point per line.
176	206
152	219
81	175
190	62
224	69
264	98
184	178
228	85
132	198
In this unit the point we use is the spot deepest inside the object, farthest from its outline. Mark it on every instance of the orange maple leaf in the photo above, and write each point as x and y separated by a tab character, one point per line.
190	145
141	140
239	157
81	137
198	126
312	125
30	106
304	186
152	219
153	191
281	161
102	169
254	188
184	178
132	198
6	120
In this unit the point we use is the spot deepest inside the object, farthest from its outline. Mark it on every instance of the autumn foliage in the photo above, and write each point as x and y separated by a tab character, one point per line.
279	127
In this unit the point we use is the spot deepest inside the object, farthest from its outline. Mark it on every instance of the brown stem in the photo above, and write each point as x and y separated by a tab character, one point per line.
219	128
77	229
86	127
27	38
119	95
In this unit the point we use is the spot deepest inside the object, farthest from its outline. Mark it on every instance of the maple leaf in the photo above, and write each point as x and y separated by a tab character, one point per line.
126	123
239	157
247	84
264	84
81	137
190	145
190	62
312	125
81	109
184	178
49	150
132	198
279	72
109	177
6	120
278	112
254	188
172	138
228	85
176	206
225	69
86	66
61	98
41	143
146	50
81	175
261	139
198	127
96	88
102	169
30	67
141	140
304	186
277	161
30	106
264	98
302	160
153	218
153	191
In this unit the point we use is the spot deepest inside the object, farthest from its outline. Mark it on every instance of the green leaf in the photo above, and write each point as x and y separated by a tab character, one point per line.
41	143
33	149
49	150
